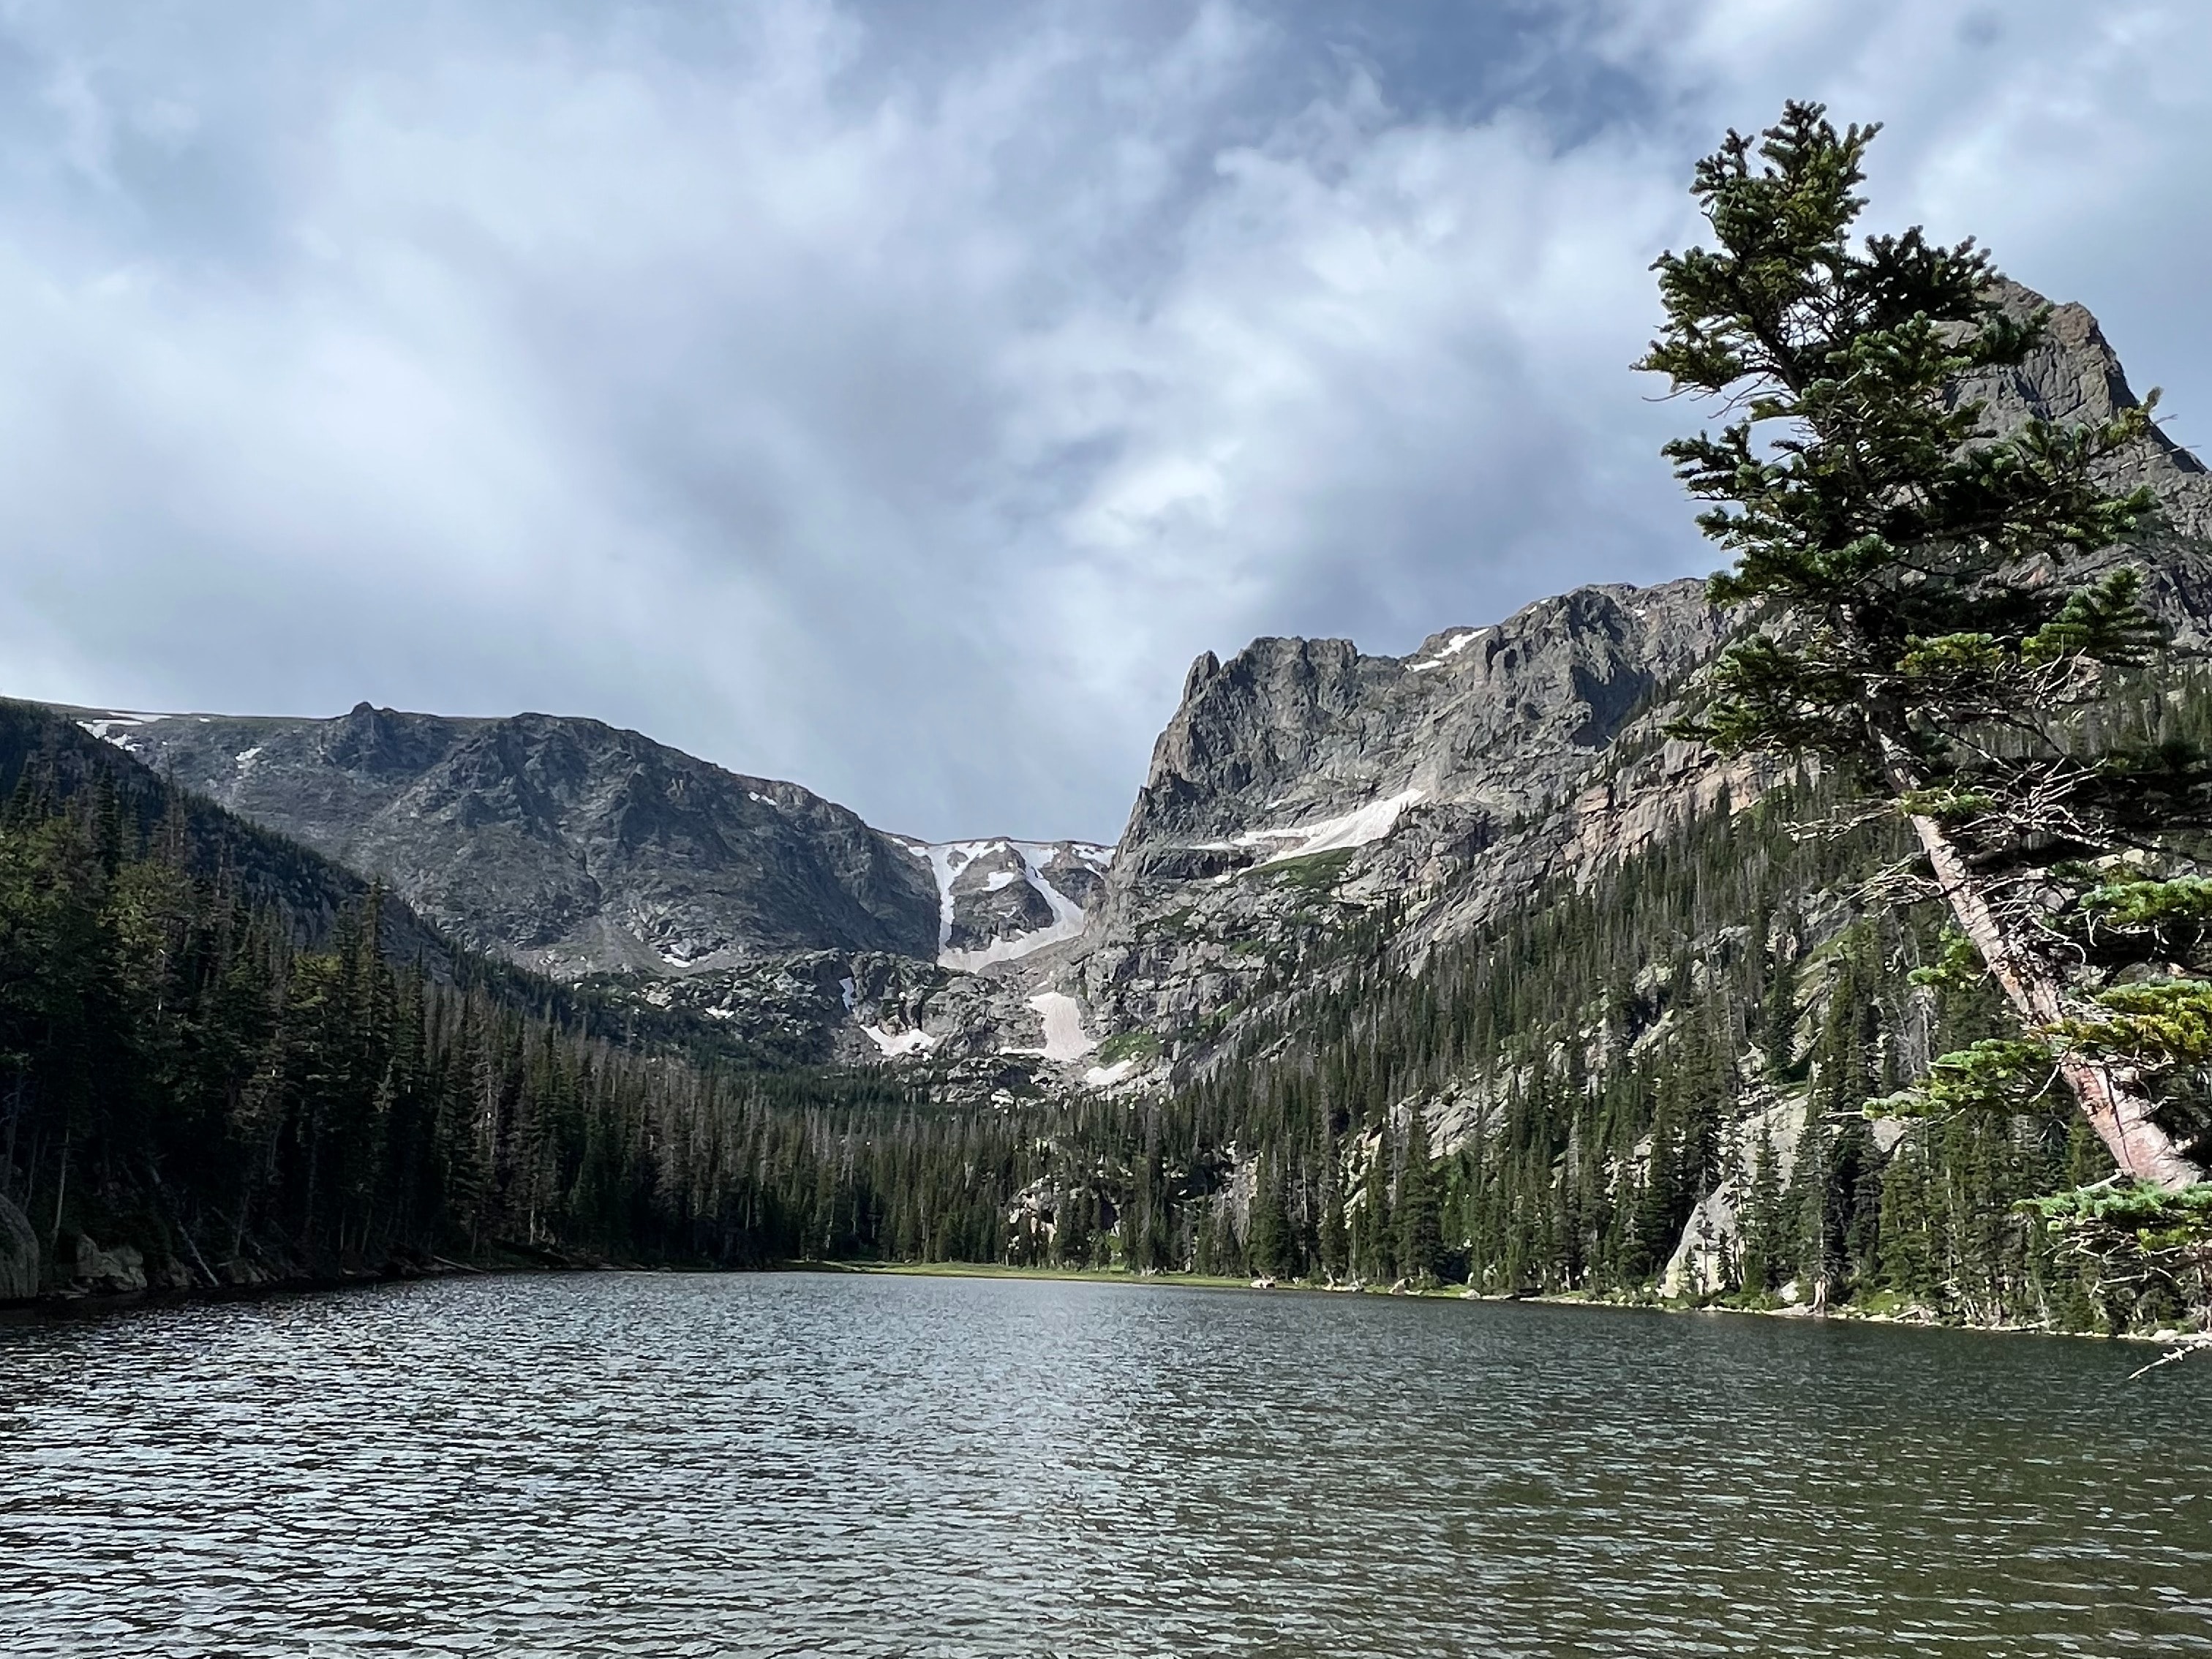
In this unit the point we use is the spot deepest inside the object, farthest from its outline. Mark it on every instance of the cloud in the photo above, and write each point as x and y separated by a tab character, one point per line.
896	400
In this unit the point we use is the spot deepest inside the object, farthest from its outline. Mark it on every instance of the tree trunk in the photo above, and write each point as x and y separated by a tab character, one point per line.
61	1192
2110	1096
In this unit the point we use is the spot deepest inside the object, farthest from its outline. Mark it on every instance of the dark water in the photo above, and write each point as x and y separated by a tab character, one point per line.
654	1465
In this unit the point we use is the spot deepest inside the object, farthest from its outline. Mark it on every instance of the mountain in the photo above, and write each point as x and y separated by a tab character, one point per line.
1302	787
576	848
1302	781
1461	933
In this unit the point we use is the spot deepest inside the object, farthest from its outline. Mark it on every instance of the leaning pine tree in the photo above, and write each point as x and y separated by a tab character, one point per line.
1937	607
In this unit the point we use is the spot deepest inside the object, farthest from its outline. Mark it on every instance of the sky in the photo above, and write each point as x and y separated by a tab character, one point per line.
895	396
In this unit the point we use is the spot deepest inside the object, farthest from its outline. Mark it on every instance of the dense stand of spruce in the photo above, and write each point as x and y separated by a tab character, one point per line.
246	1080
1623	1050
1716	1012
246	1087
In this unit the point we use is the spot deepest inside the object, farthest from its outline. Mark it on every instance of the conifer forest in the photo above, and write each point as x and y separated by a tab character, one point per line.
248	1088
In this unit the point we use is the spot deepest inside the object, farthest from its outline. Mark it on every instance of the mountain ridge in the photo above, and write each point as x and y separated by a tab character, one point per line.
1300	787
577	848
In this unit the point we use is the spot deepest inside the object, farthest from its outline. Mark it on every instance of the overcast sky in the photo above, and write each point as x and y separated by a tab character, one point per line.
896	397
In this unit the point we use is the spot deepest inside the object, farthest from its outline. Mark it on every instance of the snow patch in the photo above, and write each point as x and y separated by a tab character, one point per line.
946	859
852	994
114	726
246	758
1064	1037
1105	1077
1361	827
896	1044
1451	649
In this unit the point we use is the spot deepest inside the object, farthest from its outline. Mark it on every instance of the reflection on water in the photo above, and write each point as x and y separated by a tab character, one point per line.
656	1464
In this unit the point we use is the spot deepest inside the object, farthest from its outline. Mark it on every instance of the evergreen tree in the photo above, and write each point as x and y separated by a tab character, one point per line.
1333	1245
1907	1247
1764	1250
1420	1242
1899	554
1375	1253
1267	1233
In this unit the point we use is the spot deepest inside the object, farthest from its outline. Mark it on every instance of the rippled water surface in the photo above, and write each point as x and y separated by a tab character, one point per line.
657	1464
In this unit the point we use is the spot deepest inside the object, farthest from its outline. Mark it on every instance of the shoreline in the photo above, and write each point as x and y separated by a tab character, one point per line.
62	1305
67	1304
1459	1293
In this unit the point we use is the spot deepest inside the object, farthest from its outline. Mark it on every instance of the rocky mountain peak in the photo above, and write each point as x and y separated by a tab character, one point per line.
2072	375
1291	731
1303	779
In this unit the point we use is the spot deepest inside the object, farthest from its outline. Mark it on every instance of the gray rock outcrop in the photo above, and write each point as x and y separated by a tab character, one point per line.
568	845
119	1271
1302	781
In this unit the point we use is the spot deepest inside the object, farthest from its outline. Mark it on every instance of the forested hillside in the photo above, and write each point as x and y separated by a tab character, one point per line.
1654	1084
223	1060
1712	1015
213	1076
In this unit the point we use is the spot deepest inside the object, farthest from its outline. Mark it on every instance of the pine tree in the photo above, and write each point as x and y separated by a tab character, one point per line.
1421	1240
1375	1252
1761	1220
1267	1232
1907	1253
1332	1243
1898	554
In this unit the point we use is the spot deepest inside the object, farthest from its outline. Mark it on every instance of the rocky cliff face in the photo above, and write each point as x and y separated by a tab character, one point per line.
1302	782
2074	376
566	844
1303	785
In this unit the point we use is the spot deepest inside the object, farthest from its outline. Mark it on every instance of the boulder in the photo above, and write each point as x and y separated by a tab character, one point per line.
95	1272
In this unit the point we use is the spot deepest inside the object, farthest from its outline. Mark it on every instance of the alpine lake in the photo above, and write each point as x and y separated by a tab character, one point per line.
661	1464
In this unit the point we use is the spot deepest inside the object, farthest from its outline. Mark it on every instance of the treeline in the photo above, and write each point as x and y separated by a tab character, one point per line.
241	1088
181	1073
